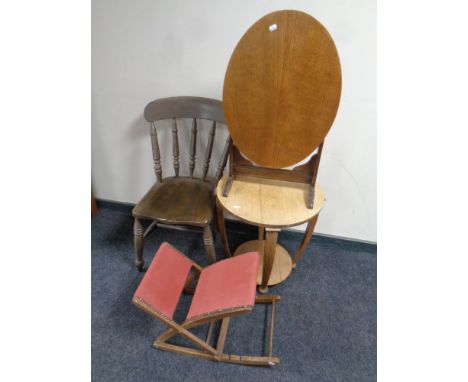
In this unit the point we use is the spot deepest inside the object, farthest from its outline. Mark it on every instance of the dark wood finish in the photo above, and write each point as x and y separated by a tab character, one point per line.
179	200
175	147
209	150
282	89
138	239
209	243
150	228
156	153
193	146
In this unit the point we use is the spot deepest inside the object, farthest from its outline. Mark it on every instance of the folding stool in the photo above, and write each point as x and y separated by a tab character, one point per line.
224	290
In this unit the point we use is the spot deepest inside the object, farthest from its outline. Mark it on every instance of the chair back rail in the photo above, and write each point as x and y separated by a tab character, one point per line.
185	107
195	108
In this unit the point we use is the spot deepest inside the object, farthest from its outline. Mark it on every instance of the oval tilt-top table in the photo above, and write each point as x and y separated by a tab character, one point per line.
281	94
271	205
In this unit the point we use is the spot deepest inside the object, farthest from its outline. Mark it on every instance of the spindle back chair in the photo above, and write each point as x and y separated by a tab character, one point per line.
181	200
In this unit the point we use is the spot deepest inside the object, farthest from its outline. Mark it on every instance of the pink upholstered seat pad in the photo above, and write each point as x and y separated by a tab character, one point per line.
164	280
226	284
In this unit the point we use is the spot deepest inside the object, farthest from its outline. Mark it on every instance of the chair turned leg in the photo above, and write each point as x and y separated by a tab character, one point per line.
209	244
138	240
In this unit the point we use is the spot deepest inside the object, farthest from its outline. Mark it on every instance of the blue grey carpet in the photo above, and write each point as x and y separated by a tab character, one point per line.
325	325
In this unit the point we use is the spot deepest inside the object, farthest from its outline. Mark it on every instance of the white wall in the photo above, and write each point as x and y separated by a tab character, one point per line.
148	49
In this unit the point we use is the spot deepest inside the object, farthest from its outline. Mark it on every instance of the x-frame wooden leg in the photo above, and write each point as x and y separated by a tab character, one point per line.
205	351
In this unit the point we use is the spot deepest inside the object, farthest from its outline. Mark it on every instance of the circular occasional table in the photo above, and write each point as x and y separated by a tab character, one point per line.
271	205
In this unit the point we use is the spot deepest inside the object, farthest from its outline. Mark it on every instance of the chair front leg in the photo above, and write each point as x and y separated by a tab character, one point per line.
209	244
138	240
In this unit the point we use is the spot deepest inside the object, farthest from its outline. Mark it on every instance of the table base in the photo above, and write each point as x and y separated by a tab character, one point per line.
282	266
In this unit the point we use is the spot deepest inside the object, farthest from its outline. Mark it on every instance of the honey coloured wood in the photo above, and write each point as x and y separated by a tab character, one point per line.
282	89
282	263
269	203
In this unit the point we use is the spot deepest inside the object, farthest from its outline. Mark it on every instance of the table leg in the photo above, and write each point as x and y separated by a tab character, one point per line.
222	228
271	238
261	232
307	236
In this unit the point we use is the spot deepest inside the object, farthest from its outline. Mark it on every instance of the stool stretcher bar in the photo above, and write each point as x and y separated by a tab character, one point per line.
217	354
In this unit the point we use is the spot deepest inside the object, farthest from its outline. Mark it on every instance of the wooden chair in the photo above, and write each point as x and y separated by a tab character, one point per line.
224	290
181	200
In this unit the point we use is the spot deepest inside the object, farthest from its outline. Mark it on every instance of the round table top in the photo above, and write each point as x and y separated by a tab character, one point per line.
269	203
282	89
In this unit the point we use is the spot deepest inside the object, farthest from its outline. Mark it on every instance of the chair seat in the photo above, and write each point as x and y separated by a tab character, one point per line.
225	285
177	201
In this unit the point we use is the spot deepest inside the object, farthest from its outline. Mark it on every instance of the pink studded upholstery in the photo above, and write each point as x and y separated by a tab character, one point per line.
227	284
164	281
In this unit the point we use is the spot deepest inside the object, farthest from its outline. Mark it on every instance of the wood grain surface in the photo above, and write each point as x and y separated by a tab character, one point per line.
282	89
282	264
269	203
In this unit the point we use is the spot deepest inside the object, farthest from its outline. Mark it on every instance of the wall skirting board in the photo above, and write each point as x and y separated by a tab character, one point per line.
242	228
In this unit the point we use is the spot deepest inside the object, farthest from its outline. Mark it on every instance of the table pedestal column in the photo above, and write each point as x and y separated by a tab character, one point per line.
281	264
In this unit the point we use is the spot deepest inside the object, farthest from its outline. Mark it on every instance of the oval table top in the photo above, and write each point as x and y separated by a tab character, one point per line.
270	203
282	89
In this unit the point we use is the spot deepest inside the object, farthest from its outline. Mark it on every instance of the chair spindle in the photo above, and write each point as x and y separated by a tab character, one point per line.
223	161
175	147
193	146
156	153
209	149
